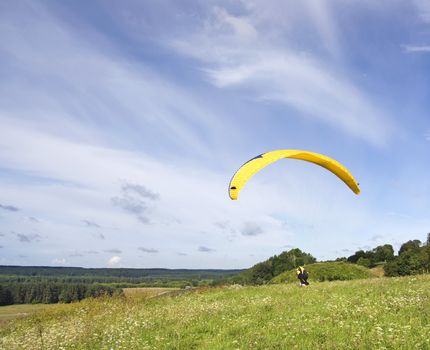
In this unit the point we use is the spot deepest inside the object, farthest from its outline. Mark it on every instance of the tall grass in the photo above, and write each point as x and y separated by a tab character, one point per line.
363	314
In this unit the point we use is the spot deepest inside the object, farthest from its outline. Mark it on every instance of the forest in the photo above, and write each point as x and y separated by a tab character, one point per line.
43	284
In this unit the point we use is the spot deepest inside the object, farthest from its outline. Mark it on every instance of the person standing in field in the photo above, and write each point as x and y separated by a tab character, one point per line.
303	276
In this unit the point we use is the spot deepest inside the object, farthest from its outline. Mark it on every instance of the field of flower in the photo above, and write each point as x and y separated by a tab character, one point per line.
378	313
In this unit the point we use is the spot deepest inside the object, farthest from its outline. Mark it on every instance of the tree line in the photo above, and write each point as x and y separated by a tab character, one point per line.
141	274
149	282
412	258
49	293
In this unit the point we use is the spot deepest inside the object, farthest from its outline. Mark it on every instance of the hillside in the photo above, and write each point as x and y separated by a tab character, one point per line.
327	271
390	313
264	271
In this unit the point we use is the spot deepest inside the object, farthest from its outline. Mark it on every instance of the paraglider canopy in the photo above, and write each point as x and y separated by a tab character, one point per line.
251	167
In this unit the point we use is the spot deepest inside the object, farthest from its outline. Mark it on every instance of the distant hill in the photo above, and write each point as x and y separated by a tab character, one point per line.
155	273
118	277
327	271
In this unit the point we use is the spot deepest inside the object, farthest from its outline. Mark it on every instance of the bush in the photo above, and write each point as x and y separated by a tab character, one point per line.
363	262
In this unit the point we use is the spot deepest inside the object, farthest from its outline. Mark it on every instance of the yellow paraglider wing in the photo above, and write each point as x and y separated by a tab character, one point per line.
254	165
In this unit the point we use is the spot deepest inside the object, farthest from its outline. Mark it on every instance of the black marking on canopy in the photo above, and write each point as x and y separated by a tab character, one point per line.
234	188
259	156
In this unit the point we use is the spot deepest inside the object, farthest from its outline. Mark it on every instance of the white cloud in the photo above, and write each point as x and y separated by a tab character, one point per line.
416	48
272	71
242	29
57	261
79	120
321	16
77	85
114	261
423	9
80	185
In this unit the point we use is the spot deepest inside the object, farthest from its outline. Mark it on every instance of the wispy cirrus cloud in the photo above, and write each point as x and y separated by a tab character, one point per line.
86	71
416	48
235	55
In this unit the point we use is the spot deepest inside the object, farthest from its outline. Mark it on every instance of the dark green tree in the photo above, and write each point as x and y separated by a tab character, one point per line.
412	245
383	253
408	263
357	255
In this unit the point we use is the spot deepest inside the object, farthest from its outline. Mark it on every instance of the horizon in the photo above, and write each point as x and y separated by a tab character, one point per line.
121	125
196	269
117	268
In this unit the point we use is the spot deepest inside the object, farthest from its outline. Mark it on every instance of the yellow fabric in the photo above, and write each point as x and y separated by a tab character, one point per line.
254	165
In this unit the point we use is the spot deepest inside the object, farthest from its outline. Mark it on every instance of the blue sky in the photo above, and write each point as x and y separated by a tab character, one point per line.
121	124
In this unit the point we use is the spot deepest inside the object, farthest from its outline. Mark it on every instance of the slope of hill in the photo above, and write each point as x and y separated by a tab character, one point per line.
379	313
327	271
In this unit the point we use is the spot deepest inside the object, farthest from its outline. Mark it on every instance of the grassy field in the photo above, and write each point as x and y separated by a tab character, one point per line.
378	313
11	312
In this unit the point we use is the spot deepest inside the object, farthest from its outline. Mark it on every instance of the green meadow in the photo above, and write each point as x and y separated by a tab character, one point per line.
376	313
